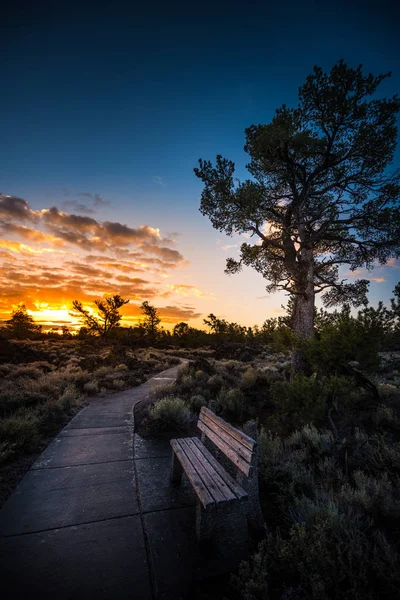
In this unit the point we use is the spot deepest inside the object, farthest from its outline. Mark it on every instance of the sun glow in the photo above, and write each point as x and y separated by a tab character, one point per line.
50	317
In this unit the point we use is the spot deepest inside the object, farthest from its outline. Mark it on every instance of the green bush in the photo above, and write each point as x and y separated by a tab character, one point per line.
231	403
332	558
306	399
118	384
170	414
19	434
159	391
196	402
91	387
215	383
69	398
248	378
332	525
25	372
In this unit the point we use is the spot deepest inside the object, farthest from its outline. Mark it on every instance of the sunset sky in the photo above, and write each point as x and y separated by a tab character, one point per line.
104	112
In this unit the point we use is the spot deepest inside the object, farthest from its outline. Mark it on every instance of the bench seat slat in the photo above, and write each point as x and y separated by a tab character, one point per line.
208	478
236	446
204	495
225	490
239	492
232	454
241	437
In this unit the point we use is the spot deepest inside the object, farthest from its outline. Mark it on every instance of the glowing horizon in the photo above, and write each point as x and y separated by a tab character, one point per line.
50	257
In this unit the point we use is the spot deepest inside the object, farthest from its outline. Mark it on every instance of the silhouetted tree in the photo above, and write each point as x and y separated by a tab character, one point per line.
320	194
181	329
151	319
108	315
65	332
22	325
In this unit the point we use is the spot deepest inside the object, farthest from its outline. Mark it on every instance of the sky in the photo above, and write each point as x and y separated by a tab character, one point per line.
105	110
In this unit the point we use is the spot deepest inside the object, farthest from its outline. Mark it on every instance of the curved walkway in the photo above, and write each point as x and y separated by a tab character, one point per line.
96	517
89	519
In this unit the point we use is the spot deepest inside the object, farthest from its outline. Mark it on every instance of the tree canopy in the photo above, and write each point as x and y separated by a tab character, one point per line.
320	194
22	325
108	315
151	319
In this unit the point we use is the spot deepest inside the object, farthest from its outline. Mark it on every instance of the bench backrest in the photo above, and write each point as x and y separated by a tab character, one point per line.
235	444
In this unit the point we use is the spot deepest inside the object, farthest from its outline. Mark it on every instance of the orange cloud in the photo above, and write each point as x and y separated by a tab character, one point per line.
188	290
46	276
23	248
30	234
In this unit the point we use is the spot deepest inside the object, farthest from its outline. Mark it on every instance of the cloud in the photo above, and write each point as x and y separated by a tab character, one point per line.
166	254
159	181
56	218
169	314
58	256
226	246
24	249
16	208
393	263
96	202
172	234
79	207
96	199
136	280
87	270
125	268
189	290
122	234
88	233
175	314
30	234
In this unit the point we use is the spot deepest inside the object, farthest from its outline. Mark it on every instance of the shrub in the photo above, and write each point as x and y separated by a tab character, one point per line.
196	402
231	403
91	387
170	414
248	378
69	398
28	372
306	399
50	414
19	434
331	559
215	383
118	384
159	391
376	495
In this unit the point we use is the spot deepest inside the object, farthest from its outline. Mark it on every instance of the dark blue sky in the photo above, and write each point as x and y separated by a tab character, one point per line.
122	98
128	91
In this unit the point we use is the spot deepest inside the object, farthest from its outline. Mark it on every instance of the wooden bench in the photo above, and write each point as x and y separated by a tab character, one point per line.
218	491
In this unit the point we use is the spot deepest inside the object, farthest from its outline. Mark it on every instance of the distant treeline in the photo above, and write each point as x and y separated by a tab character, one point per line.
377	325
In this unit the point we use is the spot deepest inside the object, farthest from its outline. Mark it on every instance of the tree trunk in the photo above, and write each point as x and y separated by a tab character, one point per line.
303	317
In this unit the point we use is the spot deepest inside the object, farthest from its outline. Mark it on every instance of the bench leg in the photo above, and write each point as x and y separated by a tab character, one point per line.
176	469
205	522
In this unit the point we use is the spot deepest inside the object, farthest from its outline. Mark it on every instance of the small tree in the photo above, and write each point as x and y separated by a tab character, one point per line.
22	325
320	194
151	319
65	332
108	315
181	330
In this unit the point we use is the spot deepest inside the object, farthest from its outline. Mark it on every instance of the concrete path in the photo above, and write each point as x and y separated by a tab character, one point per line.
96	517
